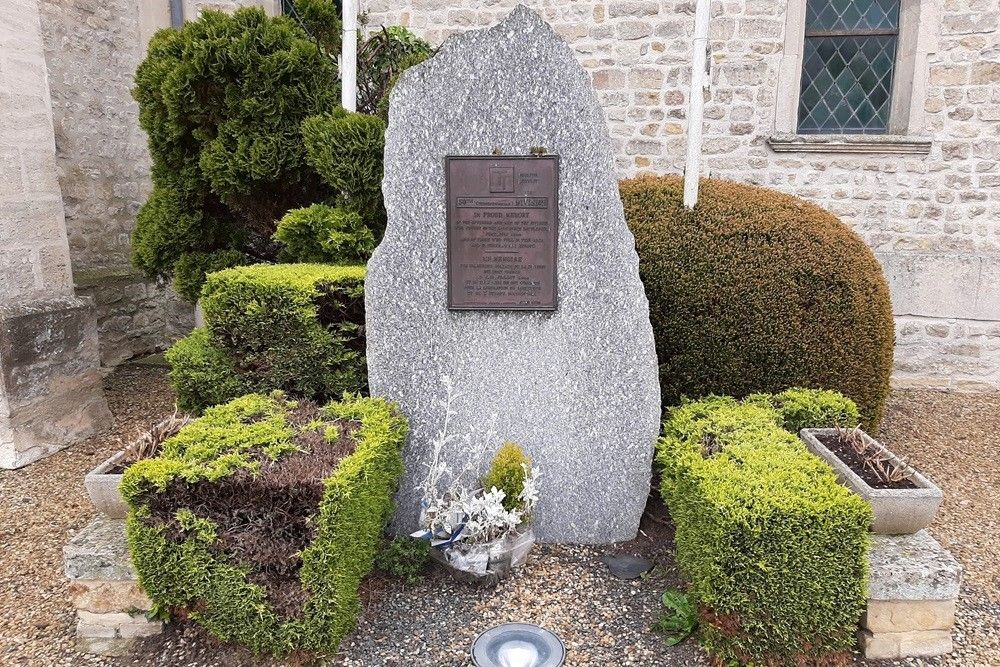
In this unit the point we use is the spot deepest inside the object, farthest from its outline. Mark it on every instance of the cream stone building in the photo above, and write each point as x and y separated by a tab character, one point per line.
886	112
924	190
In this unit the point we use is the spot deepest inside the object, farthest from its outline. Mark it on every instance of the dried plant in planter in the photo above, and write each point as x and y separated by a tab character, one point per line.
886	469
149	443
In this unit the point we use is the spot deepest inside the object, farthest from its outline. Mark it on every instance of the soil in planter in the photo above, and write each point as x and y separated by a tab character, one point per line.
846	453
263	522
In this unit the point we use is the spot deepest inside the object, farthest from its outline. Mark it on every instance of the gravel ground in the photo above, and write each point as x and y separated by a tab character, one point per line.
954	439
42	506
604	621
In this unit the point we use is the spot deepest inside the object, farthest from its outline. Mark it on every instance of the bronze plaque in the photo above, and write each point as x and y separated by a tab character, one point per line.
503	228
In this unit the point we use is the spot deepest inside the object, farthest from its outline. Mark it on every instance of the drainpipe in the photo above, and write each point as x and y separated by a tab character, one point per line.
349	57
176	13
696	110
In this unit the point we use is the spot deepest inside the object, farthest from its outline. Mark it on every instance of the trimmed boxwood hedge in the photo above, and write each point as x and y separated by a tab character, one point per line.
758	291
773	547
298	328
178	550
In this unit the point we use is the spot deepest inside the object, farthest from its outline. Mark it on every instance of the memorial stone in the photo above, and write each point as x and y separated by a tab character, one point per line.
533	309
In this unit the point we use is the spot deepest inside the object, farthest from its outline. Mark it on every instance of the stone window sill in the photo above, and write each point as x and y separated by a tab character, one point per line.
884	144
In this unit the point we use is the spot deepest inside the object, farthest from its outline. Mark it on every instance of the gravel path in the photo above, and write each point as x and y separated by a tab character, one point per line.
955	440
953	437
42	506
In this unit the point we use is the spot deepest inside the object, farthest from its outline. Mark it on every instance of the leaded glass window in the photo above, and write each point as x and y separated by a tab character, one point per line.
847	66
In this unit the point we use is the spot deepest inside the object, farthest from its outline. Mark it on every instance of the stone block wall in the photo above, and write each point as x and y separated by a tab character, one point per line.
50	391
135	316
92	48
33	249
930	209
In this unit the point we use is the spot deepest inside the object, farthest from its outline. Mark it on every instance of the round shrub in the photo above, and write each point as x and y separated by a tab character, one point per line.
346	149
759	291
222	101
324	234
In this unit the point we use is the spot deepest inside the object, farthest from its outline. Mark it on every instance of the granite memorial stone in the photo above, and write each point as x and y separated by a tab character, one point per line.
573	381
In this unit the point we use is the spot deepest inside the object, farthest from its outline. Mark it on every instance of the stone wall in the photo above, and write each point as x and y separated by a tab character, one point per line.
930	210
34	259
92	49
50	393
135	316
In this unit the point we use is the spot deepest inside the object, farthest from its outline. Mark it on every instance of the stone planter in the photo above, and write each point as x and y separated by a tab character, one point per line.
102	487
897	511
486	563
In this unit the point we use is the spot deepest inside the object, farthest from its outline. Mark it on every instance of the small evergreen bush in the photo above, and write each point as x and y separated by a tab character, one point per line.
326	235
758	291
259	525
507	473
810	408
222	100
404	558
294	327
773	547
347	150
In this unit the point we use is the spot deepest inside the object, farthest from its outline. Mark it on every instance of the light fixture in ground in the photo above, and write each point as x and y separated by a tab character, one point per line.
518	645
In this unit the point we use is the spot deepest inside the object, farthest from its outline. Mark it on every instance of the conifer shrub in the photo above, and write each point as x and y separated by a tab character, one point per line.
507	473
222	100
774	549
325	234
298	328
757	291
260	519
347	150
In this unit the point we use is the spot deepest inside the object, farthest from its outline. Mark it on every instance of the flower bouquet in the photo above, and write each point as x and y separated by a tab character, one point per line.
479	532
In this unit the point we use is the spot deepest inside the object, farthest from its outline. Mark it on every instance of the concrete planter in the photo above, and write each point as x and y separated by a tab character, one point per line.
897	511
102	487
486	563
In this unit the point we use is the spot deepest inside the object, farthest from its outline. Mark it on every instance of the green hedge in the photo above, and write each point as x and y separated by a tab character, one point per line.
294	327
773	547
757	291
810	408
176	550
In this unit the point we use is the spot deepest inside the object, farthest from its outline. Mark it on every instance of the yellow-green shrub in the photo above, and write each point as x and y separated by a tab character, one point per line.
773	547
507	473
179	562
321	233
758	291
810	408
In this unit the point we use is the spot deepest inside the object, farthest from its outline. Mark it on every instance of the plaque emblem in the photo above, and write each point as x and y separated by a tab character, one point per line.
501	179
503	229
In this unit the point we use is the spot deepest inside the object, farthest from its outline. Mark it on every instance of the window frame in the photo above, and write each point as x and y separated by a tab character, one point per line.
916	40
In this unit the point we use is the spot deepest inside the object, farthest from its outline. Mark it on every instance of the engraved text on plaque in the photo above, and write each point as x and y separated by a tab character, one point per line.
503	224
